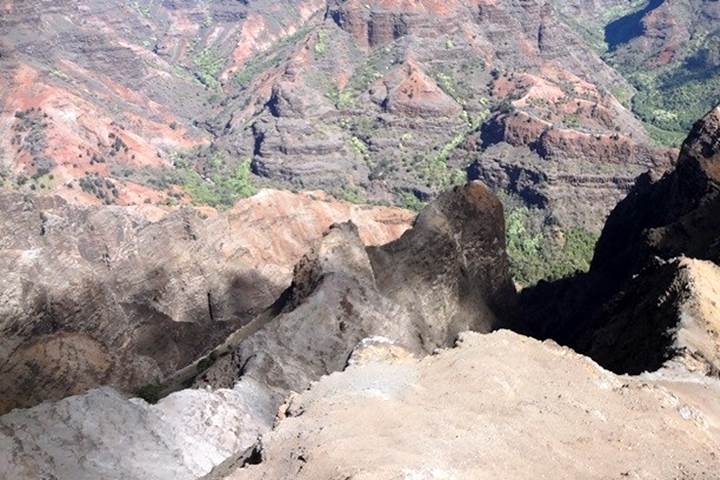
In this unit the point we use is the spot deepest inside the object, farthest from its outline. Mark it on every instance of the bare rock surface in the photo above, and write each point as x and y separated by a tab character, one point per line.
111	295
336	312
331	306
101	434
451	269
496	406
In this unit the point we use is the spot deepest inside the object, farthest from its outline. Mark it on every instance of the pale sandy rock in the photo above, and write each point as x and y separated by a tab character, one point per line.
497	406
379	349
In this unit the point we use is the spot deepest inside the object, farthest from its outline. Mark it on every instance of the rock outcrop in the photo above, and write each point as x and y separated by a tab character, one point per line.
332	304
451	269
678	214
109	296
445	275
409	91
496	406
666	317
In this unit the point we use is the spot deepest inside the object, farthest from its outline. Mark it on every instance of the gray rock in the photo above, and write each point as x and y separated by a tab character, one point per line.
101	434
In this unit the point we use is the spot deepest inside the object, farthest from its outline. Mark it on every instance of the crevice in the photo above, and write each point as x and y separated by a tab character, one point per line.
211	313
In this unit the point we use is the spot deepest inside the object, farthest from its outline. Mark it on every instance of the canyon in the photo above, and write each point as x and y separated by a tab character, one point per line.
401	358
362	99
343	239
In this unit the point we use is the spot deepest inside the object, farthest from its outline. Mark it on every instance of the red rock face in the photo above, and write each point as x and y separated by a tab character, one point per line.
409	91
366	99
380	22
81	137
111	87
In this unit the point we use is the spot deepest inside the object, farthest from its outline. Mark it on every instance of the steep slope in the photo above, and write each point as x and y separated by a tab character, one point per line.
115	88
497	406
107	295
631	311
678	214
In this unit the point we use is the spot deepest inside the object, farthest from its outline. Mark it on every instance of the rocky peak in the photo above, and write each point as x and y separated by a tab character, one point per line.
702	147
451	268
340	252
408	90
447	274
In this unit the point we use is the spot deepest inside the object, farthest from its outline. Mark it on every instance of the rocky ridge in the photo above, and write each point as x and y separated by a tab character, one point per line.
454	278
341	296
126	296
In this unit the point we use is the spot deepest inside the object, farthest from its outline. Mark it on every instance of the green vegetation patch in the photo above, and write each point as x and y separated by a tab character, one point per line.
435	169
411	202
536	254
321	44
142	9
220	185
672	101
209	64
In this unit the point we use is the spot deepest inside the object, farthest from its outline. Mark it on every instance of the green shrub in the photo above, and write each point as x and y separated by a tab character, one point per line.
411	202
221	186
321	44
209	64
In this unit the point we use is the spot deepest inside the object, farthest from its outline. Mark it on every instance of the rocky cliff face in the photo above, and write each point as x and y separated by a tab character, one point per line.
668	310
674	215
96	296
445	275
637	292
